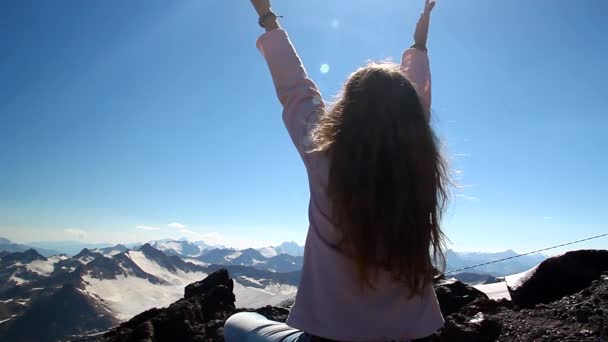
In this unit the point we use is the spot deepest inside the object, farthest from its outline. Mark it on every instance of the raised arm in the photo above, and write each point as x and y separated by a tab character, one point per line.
299	96
415	61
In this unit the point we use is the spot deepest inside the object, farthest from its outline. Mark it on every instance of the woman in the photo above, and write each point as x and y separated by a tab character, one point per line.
377	191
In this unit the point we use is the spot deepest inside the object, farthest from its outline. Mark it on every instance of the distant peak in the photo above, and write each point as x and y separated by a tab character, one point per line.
146	246
87	253
33	252
150	251
27	256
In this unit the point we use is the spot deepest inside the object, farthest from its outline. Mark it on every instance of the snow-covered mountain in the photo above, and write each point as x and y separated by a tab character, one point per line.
180	248
66	247
114	286
251	257
9	246
291	248
456	260
111	251
22	267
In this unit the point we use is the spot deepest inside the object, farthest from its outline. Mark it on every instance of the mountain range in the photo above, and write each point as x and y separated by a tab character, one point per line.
8	246
99	287
458	260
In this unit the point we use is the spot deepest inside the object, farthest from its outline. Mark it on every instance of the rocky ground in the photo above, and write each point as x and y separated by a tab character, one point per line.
579	314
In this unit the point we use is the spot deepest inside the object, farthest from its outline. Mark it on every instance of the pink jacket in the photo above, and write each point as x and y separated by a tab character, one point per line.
329	302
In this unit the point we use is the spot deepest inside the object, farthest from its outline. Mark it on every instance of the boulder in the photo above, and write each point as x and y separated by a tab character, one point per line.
453	295
557	277
215	279
200	316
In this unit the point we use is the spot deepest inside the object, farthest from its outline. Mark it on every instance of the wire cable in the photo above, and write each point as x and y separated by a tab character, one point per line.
532	252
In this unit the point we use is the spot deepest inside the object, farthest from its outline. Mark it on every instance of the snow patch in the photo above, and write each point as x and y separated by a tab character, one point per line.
112	253
57	258
273	294
268	252
85	260
8	319
69	269
496	291
197	262
251	280
516	280
126	297
43	268
233	256
151	267
17	280
171	245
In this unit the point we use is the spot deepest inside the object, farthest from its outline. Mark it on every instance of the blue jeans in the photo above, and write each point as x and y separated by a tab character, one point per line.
253	327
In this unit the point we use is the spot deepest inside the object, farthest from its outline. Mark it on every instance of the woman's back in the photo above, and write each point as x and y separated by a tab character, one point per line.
377	191
331	301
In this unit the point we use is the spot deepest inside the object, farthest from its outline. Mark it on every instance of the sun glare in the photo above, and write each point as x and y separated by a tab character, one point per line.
324	68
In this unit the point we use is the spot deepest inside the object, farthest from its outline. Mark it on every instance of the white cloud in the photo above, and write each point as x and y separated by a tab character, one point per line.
147	228
79	233
470	198
176	225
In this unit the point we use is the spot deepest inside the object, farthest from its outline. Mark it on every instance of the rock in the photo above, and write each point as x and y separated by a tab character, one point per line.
273	313
560	276
479	329
469	315
582	314
215	279
200	316
454	295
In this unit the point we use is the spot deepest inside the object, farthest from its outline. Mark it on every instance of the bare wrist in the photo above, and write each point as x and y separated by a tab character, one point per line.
271	24
421	47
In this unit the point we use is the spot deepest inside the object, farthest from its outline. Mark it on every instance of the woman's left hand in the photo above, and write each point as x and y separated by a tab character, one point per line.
261	6
422	27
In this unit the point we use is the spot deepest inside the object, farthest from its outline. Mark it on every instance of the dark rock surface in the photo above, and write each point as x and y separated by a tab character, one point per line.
560	276
469	314
64	313
198	317
453	295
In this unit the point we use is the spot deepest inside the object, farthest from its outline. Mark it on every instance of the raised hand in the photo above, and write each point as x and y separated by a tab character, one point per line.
261	6
422	27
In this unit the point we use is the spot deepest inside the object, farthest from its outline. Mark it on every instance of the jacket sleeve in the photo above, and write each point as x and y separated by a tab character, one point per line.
415	65
300	97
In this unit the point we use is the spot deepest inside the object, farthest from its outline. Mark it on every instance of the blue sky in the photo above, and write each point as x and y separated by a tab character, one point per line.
161	115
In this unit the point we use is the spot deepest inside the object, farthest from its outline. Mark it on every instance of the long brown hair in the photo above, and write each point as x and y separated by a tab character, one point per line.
388	180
